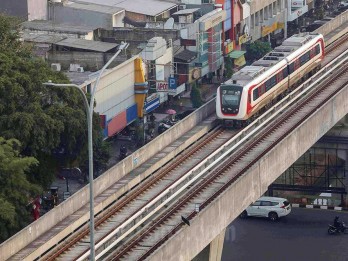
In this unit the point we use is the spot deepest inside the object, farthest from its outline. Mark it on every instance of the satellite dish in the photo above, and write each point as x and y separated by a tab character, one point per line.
169	24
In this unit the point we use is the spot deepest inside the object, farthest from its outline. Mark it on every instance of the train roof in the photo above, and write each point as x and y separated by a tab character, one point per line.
289	46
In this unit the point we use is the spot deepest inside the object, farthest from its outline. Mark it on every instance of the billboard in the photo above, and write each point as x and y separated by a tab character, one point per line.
297	3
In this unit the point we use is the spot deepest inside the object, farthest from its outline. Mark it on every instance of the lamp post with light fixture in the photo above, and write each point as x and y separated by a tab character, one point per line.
89	112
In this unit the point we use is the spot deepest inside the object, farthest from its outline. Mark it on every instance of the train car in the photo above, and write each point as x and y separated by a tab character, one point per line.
257	86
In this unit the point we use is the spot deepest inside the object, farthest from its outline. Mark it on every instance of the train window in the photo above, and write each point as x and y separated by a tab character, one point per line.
231	97
273	81
268	85
304	58
262	89
297	64
317	49
279	76
291	68
312	54
285	72
255	94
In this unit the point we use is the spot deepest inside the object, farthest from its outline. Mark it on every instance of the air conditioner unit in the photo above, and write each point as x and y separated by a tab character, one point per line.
79	69
182	7
56	67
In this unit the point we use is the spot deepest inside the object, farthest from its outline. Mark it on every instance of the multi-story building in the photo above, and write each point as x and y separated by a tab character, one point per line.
26	9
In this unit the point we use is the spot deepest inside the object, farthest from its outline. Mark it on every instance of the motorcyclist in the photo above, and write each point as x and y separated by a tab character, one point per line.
337	223
123	152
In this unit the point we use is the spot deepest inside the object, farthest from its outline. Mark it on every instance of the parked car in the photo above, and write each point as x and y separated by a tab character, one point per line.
343	3
270	207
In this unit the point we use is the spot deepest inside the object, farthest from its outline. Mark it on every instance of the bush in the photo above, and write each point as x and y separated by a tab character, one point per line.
196	98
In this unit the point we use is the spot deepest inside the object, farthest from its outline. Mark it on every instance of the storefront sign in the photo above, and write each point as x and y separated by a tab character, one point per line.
243	39
152	103
265	30
161	86
280	26
296	3
214	20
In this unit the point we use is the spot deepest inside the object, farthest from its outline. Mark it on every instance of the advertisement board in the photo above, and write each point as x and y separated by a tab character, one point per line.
162	86
297	3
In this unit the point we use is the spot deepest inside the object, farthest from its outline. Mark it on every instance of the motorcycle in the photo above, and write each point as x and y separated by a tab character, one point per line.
337	230
123	153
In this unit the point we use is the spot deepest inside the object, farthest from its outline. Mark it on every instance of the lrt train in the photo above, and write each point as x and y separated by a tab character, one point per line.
255	87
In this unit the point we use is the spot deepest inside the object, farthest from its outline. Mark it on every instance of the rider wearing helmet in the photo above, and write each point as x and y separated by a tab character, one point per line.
337	223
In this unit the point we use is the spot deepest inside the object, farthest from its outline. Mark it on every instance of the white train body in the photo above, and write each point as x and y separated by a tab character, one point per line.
255	86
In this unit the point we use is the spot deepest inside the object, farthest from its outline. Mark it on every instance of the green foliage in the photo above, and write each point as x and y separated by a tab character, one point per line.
257	50
50	122
196	98
16	191
228	68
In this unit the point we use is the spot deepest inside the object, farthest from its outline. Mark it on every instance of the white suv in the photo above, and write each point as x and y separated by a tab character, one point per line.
270	207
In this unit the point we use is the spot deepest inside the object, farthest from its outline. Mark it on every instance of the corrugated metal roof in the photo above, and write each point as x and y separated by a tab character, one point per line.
94	7
186	55
40	25
146	7
87	44
186	11
42	38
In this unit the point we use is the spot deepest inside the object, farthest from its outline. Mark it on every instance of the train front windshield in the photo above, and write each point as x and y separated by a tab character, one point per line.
230	98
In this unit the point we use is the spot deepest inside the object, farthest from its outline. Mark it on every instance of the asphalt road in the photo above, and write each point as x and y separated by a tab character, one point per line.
301	236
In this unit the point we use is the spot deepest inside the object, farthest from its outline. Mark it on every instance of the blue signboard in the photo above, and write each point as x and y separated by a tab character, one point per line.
131	113
153	104
172	83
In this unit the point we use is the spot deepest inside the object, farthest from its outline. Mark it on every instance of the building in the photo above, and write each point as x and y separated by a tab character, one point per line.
26	9
65	30
86	14
140	10
116	94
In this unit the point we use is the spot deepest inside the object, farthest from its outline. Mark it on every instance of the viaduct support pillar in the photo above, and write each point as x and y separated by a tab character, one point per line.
216	247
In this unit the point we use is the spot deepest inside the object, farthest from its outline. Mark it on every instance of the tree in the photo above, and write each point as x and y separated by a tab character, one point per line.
257	50
16	191
196	98
228	66
51	122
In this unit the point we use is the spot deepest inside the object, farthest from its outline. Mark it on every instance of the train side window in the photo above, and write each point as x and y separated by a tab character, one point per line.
268	85
285	72
317	49
262	89
255	94
304	58
273	81
279	77
297	64
312	54
291	68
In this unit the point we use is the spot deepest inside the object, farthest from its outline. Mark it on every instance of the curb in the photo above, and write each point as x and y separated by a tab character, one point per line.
319	207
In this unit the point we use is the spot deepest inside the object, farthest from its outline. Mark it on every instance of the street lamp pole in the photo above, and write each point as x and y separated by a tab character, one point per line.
89	111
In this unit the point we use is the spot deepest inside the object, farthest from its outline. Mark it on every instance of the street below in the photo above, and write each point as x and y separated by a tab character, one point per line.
301	236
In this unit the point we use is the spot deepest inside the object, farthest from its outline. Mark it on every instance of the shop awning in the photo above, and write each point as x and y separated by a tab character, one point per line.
236	54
